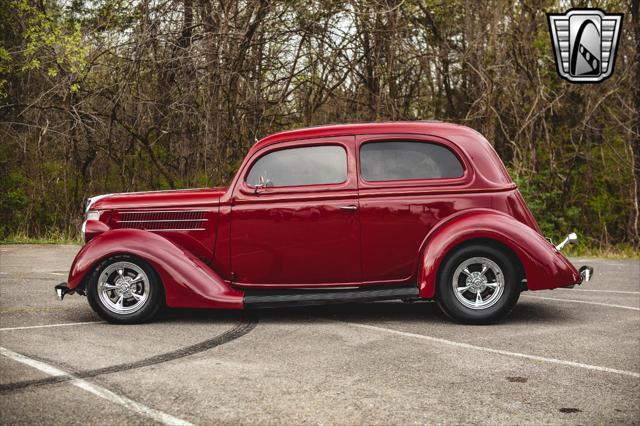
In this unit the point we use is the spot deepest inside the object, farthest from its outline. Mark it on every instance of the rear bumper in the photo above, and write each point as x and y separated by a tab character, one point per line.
586	273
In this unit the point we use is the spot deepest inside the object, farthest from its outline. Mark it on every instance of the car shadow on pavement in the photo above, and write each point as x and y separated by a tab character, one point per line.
416	312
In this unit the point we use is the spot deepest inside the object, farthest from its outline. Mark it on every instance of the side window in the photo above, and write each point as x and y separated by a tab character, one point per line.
311	165
382	161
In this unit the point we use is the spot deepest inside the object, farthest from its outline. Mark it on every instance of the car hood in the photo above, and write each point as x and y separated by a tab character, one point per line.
157	199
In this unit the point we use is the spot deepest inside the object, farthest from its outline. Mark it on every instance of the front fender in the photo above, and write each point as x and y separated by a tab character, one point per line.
544	266
188	282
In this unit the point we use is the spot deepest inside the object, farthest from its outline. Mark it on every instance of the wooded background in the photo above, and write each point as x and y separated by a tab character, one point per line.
108	96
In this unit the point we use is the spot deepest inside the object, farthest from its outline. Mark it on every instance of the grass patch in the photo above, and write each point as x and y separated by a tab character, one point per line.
613	252
57	238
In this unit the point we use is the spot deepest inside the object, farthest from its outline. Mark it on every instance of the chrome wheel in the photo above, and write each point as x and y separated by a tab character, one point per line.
478	283
123	288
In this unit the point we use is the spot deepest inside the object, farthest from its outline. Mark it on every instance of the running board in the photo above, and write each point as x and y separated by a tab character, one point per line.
278	298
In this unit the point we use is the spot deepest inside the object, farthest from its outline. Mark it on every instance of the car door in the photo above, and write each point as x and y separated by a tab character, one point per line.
407	184
294	217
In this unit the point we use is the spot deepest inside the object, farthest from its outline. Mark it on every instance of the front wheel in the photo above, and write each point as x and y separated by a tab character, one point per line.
477	285
124	290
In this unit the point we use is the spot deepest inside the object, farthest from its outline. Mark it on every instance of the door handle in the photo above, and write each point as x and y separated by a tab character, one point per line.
349	208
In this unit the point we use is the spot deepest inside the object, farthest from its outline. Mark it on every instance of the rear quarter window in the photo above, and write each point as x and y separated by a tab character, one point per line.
407	160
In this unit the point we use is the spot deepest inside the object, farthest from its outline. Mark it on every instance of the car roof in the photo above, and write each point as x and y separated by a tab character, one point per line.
420	127
471	143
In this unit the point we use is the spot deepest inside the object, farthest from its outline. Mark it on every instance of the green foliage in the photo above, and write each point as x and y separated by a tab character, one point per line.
5	68
13	202
50	42
543	196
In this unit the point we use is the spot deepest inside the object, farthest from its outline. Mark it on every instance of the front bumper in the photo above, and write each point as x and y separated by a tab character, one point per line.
62	290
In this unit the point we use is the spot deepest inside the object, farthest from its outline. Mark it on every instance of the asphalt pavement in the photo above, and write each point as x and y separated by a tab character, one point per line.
563	356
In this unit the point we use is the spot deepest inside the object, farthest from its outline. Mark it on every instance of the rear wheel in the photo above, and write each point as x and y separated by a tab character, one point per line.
124	290
477	285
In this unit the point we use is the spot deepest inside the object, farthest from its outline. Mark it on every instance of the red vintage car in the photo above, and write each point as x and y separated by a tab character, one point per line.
362	212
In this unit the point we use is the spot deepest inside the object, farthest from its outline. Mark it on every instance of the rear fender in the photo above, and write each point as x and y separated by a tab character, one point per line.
544	266
188	282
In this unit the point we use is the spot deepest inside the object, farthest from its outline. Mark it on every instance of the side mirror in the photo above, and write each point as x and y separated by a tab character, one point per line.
571	238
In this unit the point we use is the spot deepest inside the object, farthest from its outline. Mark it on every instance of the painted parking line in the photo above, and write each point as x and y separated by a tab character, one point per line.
64	324
497	351
601	261
609	305
599	291
97	390
32	309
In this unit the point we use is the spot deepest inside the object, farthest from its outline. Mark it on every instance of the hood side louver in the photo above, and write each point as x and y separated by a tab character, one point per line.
174	220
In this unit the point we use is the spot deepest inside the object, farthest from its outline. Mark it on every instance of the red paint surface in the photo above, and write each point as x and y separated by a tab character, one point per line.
297	236
188	282
300	237
544	266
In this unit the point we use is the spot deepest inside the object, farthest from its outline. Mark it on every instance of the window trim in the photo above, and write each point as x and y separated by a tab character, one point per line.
249	189
467	170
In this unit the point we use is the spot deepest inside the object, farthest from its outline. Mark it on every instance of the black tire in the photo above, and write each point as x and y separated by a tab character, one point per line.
502	303
147	309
